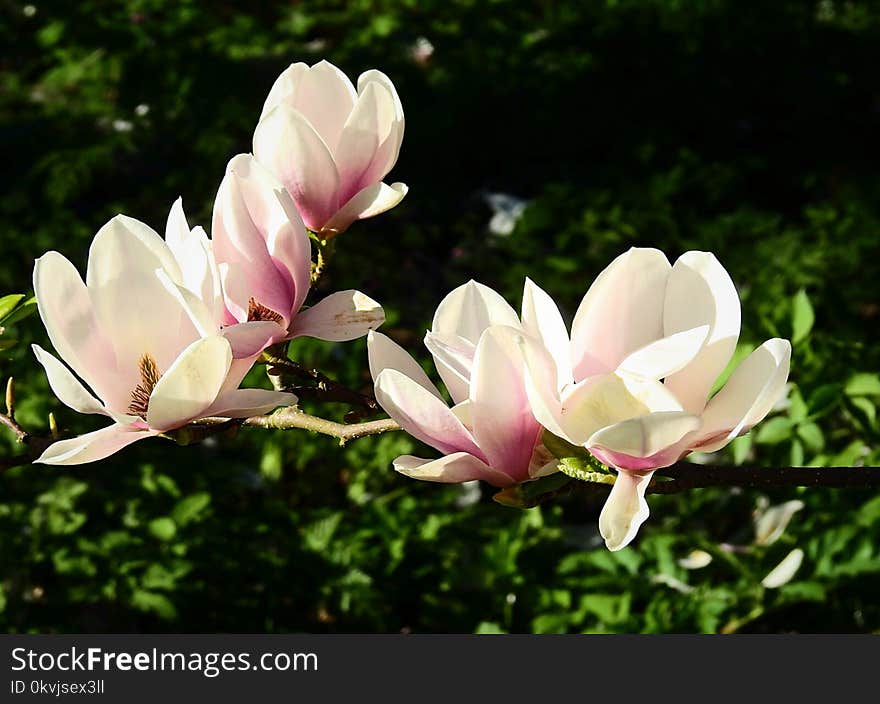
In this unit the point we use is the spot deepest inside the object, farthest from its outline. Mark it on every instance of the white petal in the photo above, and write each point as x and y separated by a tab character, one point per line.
542	319
700	292
625	509
660	358
249	339
653	438
453	357
368	126
284	88
341	316
287	144
191	384
501	419
749	394
772	523
245	403
66	309
620	313
384	353
785	571
371	200
471	308
451	469
92	446
201	316
66	386
125	244
695	560
541	381
396	137
422	414
325	97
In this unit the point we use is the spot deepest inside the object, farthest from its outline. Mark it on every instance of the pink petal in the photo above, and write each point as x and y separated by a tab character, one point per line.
249	339
621	312
646	442
371	200
423	415
451	469
384	353
341	316
454	358
245	403
503	424
471	308
287	144
93	446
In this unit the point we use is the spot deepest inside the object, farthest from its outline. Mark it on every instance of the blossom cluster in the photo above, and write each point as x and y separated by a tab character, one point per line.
163	331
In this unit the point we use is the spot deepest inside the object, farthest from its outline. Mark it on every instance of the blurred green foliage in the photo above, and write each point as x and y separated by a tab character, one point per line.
744	128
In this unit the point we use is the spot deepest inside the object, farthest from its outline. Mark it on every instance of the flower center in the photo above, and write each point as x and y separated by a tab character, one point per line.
257	311
140	397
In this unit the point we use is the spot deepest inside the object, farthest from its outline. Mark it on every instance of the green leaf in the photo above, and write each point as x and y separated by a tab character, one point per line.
740	447
863	385
154	602
8	304
774	431
560	448
802	317
489	627
585	471
189	508
29	307
867	407
823	399
812	436
163	529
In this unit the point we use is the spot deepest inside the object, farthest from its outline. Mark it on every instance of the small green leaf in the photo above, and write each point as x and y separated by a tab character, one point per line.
29	307
823	399
802	317
577	468
867	407
863	385
189	508
8	304
812	436
774	431
163	529
560	448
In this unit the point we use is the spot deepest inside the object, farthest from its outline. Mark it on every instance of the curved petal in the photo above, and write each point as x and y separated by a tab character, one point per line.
249	339
247	213
621	312
502	420
471	308
244	403
785	571
541	383
646	442
660	358
66	386
625	509
454	358
124	244
423	415
193	252
396	137
287	144
65	306
542	319
383	353
700	292
93	446
284	88
451	469
372	200
197	310
322	93
191	384
341	316
291	249
749	394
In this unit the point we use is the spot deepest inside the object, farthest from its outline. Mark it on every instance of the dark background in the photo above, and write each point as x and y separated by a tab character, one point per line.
744	128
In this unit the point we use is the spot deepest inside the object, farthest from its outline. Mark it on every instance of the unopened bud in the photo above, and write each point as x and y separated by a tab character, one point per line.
10	397
53	425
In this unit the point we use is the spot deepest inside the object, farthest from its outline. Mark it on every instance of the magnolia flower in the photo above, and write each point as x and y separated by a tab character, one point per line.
154	361
632	384
489	433
264	259
331	146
